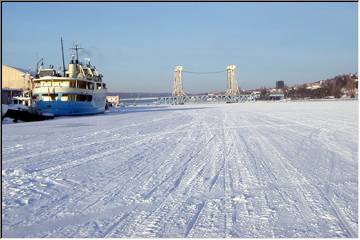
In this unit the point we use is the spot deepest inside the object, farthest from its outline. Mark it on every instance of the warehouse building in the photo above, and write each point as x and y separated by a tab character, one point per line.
14	82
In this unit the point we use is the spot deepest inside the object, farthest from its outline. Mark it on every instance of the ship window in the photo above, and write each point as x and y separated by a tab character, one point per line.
76	98
72	97
50	97
72	84
90	86
84	98
47	72
82	84
98	86
68	97
64	97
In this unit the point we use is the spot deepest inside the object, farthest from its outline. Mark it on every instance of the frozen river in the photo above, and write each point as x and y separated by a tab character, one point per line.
217	170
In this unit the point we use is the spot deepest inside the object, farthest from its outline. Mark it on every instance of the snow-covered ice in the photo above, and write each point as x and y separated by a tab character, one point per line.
286	169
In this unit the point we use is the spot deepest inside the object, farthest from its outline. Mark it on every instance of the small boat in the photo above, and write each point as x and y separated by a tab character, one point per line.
18	102
19	109
25	114
79	90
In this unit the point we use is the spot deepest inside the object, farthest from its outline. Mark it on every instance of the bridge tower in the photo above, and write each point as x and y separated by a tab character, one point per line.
178	88
233	87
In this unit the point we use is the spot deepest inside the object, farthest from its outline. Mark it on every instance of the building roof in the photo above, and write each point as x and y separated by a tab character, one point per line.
32	73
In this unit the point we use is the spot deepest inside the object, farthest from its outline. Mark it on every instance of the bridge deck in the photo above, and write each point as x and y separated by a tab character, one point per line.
206	98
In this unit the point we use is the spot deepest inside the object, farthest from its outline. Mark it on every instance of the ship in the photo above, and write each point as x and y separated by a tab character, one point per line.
78	90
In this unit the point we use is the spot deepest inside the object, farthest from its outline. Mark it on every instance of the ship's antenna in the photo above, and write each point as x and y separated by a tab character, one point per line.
62	52
76	48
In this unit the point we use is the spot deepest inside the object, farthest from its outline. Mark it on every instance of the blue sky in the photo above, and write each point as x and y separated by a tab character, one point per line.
137	45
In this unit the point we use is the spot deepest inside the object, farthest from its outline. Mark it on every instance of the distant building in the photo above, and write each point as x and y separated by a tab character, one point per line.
280	84
114	100
14	82
256	94
313	86
276	96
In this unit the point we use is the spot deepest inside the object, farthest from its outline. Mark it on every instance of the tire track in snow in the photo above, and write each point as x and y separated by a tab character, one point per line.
169	193
193	221
62	206
324	192
137	165
162	211
153	218
73	141
343	223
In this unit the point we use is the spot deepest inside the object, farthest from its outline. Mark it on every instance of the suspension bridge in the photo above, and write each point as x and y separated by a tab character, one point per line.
232	94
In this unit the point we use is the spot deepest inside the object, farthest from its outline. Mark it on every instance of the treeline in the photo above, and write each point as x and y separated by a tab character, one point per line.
345	85
342	85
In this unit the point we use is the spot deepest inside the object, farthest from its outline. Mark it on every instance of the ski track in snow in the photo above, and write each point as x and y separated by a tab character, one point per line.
216	170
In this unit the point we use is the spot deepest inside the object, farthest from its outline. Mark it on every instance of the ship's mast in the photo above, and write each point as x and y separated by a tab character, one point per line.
76	48
62	52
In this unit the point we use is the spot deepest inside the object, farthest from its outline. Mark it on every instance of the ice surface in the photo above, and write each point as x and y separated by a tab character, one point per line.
286	169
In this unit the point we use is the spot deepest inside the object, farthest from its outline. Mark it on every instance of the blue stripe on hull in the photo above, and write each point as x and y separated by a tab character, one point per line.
68	108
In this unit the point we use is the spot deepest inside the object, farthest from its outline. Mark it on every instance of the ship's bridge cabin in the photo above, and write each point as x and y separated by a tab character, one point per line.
78	84
47	72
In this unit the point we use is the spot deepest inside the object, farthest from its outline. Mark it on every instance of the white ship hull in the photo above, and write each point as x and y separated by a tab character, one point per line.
68	108
62	100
